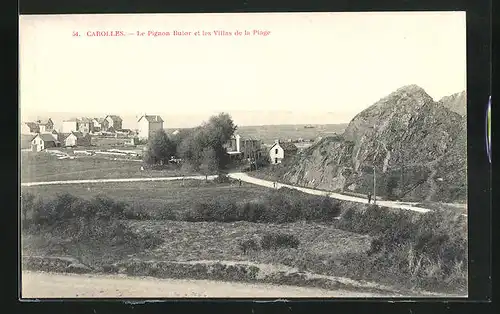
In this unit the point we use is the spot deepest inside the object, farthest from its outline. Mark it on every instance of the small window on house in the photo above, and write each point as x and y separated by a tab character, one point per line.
276	151
275	160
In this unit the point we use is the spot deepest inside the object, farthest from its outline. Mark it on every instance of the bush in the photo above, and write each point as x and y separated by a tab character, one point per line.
430	249
279	206
271	241
222	178
249	245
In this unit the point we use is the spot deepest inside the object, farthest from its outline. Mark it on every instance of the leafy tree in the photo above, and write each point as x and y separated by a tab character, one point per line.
210	135
218	131
160	149
209	162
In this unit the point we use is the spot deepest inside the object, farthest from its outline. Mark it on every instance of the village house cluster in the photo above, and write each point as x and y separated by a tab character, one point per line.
79	132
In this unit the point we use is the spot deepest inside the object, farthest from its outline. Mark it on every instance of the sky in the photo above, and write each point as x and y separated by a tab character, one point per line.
311	68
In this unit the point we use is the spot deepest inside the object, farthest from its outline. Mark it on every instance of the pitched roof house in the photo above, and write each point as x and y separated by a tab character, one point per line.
280	151
45	125
114	121
42	141
77	139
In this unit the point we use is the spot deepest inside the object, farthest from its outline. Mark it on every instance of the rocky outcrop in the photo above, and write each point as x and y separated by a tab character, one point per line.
456	103
416	146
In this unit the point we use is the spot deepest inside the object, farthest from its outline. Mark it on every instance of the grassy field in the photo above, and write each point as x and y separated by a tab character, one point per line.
155	197
46	167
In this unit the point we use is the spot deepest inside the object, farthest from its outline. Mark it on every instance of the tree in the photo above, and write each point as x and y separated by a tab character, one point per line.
160	149
191	146
218	131
210	135
209	162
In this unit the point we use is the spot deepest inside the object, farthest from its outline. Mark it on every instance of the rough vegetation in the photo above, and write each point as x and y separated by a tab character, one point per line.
397	248
430	250
416	145
89	230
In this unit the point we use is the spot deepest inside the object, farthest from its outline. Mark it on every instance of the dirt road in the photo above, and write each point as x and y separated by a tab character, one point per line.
51	285
248	179
115	180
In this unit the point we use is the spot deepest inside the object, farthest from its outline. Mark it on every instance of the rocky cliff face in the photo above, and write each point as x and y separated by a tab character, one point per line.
456	103
416	146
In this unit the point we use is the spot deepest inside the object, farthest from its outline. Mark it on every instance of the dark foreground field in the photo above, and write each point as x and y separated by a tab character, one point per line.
226	232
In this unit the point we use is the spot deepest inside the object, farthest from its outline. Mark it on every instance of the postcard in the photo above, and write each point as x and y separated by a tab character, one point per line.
281	155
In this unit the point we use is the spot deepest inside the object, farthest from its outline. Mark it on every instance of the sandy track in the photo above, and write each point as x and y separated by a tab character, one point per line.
51	285
248	179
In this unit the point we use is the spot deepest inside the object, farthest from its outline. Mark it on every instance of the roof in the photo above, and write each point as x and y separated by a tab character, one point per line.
287	146
77	134
46	137
114	117
44	121
62	136
151	118
84	120
100	120
71	120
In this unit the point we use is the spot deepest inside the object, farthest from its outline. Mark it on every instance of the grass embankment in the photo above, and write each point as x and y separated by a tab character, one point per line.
46	167
157	200
284	227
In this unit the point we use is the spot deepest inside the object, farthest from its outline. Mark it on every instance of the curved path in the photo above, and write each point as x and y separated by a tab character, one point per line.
245	178
51	285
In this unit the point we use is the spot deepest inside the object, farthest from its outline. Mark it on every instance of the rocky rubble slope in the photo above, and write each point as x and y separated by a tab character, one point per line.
417	147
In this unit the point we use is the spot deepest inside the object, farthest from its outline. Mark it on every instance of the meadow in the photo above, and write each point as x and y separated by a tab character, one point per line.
46	167
157	198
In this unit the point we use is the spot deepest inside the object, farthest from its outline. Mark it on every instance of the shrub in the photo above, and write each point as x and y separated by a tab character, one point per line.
272	241
253	211
222	178
430	249
248	245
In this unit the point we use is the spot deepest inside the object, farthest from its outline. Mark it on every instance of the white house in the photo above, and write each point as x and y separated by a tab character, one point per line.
148	125
279	151
77	139
42	141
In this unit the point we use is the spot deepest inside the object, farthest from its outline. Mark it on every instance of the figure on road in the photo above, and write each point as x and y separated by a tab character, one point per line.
369	197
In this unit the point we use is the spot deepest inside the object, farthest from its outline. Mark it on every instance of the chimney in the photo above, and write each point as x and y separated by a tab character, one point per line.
277	141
